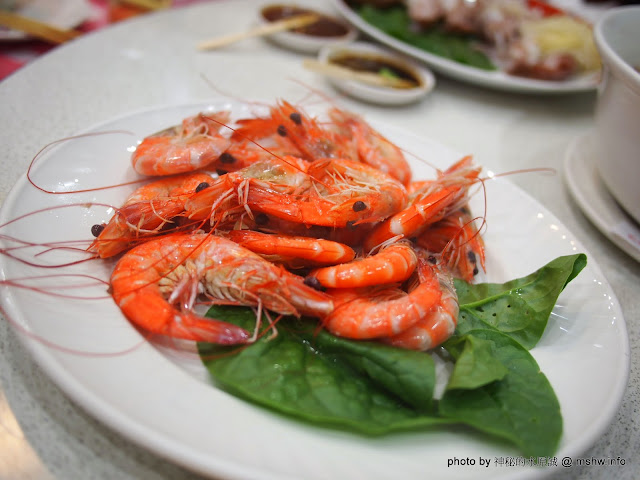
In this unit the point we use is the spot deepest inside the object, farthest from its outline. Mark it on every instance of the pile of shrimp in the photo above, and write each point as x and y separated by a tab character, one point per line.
291	216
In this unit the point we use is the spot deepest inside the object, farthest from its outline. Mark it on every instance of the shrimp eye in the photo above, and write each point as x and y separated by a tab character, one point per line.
432	259
262	219
296	118
359	206
282	130
97	229
313	282
221	172
471	256
227	158
202	186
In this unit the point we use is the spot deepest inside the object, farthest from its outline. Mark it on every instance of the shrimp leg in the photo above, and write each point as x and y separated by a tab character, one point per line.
156	285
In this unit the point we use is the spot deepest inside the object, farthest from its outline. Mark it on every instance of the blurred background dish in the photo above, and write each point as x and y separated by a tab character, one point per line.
63	14
586	187
328	30
350	66
478	66
617	112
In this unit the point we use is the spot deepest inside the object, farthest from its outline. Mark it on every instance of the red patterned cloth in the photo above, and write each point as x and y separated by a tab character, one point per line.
16	54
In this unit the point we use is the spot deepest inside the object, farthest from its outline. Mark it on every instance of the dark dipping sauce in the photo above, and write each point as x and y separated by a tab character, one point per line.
324	27
360	62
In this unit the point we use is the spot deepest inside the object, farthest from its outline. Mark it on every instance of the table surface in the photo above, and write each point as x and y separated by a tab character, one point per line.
45	435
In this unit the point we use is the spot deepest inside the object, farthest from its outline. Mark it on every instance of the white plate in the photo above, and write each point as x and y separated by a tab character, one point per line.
64	14
164	402
589	191
492	79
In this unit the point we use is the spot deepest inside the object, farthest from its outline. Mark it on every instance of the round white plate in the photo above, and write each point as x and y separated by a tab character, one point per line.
163	400
491	79
60	13
589	191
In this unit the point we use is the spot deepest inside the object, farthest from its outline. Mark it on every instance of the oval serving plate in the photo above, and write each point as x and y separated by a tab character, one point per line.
491	79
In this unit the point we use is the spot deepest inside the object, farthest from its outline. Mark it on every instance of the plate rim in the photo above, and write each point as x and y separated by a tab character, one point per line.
574	155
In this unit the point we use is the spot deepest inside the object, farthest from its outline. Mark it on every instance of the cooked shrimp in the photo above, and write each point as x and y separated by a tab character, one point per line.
243	153
287	175
192	145
366	313
156	285
437	325
308	135
392	264
428	205
372	147
293	251
344	193
146	212
457	239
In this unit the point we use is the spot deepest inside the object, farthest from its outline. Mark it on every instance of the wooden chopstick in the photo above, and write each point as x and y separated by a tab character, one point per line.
37	29
343	73
148	4
268	29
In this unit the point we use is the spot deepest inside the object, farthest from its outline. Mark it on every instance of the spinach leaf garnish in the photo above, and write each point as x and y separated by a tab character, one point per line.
495	386
395	22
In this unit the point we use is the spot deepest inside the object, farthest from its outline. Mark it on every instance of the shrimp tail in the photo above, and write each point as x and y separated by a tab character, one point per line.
136	305
192	327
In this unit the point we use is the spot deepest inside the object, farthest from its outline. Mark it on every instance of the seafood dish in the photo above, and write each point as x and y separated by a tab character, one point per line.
291	193
529	39
285	235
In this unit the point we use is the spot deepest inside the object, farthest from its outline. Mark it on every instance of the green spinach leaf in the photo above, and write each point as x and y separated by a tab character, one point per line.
475	363
395	21
519	308
520	407
495	386
309	373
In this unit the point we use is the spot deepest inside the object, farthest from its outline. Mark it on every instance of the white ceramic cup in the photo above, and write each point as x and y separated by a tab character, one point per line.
617	114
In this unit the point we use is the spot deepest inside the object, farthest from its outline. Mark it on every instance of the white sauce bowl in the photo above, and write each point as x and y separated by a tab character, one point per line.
381	95
303	43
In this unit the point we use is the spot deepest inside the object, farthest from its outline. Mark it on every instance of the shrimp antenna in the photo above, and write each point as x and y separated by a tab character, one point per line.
245	137
72	351
333	101
74	137
543	170
222	93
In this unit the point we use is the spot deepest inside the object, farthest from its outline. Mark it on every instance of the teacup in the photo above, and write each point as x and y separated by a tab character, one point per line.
617	114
